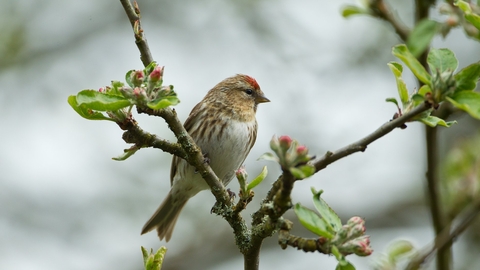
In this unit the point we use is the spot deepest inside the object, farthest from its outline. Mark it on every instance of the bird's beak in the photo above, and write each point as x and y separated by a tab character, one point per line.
262	99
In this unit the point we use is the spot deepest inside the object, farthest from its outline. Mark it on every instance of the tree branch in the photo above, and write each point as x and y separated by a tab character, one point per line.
269	217
134	134
445	238
133	14
362	144
191	152
381	10
444	258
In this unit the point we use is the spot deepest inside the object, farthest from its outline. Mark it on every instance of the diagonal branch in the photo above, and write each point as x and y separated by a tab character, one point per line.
381	10
446	238
361	145
133	14
268	218
136	135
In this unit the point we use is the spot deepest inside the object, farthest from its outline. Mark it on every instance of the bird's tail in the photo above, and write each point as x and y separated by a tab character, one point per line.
165	217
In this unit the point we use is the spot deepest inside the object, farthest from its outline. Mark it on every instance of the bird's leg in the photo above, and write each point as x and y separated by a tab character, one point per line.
206	159
231	194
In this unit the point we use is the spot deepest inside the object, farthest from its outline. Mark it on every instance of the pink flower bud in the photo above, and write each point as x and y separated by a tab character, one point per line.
137	91
137	77
452	21
156	74
242	176
302	150
356	220
285	142
101	90
362	247
241	172
356	227
139	74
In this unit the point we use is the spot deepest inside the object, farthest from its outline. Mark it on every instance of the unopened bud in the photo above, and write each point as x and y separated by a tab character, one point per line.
101	90
302	150
140	94
127	92
471	30
156	74
241	173
242	176
274	144
341	235
356	227
359	246
445	9
285	142
362	247
355	220
137	78
452	21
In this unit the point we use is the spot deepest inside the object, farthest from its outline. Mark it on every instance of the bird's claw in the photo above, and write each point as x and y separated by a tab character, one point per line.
206	159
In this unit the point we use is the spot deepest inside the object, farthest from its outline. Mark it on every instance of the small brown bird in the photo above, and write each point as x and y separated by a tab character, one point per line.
224	126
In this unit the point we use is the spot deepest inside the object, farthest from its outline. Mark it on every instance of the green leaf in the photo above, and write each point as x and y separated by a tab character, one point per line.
268	156
310	220
464	6
421	36
473	18
401	51
467	77
145	255
159	256
393	100
128	78
258	179
149	264
116	85
331	218
153	261
442	60
166	97
467	101
433	121
417	100
398	249
397	70
126	153
424	90
150	68
302	172
84	111
101	101
344	265
349	10
161	103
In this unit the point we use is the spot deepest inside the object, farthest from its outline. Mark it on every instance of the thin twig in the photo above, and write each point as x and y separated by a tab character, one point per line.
268	218
134	134
133	14
445	238
381	10
362	144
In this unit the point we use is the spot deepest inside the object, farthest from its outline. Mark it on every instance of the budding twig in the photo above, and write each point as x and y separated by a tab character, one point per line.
189	150
361	145
133	14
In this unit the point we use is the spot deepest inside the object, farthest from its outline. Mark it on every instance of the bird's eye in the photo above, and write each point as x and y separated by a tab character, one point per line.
249	92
